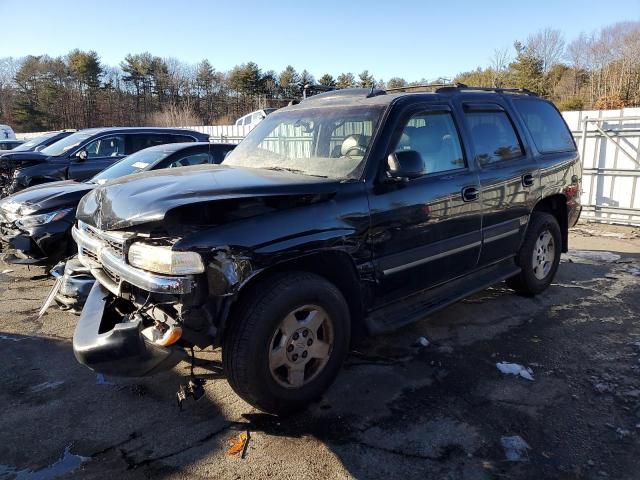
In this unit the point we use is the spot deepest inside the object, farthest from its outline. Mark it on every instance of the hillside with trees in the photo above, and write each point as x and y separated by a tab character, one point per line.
78	90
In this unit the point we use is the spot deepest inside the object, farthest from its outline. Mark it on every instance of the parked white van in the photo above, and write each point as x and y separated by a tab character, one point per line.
7	133
256	117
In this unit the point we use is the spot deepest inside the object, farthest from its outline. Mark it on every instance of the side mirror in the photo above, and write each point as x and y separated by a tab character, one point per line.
82	155
405	164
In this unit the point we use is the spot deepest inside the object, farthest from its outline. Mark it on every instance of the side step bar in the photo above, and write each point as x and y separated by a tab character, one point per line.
417	306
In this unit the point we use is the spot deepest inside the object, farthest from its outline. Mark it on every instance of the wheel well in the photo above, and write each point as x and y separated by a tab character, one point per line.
337	267
556	205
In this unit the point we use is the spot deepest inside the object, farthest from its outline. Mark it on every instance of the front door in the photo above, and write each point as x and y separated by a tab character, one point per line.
101	153
426	230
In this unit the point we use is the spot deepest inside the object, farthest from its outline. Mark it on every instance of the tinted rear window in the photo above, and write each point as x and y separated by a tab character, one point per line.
549	132
493	136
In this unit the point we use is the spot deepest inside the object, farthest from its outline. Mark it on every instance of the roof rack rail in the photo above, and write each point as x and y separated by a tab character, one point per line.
462	87
425	86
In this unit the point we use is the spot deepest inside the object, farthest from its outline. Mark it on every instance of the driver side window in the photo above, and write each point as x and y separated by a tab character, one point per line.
106	147
435	137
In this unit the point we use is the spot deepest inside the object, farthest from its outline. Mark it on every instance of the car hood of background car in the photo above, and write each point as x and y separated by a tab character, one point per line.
46	197
147	197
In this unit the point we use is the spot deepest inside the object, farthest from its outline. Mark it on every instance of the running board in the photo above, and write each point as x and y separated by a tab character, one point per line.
417	306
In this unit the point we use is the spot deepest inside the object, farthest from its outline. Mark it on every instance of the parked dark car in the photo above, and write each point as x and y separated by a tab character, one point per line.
352	211
83	154
8	145
38	143
35	223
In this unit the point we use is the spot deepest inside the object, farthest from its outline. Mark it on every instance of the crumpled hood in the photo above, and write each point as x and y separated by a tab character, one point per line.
17	158
46	197
148	196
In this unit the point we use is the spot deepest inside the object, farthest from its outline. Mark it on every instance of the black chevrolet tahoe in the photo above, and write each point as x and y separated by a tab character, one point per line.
353	211
82	154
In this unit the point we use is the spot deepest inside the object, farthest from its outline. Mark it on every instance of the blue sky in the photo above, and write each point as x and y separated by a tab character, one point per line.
412	39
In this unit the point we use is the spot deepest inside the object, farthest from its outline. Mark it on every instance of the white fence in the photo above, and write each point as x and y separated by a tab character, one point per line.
609	143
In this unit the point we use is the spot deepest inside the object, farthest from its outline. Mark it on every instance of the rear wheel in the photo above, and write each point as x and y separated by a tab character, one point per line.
287	342
539	255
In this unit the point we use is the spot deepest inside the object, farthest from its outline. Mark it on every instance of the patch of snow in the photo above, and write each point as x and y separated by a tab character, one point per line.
594	256
515	369
515	448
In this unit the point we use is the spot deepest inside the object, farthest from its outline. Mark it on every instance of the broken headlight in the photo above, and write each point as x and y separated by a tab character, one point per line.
29	221
164	260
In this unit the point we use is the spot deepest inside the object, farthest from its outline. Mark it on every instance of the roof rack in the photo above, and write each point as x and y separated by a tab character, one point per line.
425	86
461	87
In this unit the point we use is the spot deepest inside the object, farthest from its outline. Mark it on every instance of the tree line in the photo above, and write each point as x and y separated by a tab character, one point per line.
78	90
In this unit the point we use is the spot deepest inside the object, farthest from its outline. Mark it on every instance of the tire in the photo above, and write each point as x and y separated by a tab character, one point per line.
260	337
531	281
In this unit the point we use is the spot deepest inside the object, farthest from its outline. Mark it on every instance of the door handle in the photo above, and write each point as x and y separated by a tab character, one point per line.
470	194
527	179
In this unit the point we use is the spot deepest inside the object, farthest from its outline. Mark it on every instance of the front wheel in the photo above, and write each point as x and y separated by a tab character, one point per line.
539	255
287	342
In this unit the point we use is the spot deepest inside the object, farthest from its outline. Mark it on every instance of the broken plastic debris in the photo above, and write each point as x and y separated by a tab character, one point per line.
239	444
100	380
515	448
8	270
515	369
423	341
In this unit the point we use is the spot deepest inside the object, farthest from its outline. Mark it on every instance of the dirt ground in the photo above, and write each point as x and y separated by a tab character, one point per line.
399	409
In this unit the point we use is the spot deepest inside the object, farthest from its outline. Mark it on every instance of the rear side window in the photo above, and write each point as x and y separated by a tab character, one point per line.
493	136
549	132
192	159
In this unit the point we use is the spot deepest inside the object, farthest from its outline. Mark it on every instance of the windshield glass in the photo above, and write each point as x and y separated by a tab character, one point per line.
62	146
325	141
33	143
137	162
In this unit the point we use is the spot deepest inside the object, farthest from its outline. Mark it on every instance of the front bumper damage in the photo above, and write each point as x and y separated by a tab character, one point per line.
42	245
111	336
118	349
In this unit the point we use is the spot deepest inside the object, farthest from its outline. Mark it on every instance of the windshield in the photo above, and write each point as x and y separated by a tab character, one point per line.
137	162
62	146
33	143
325	142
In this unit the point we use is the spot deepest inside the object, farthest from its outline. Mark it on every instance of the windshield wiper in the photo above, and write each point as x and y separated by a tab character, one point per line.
294	170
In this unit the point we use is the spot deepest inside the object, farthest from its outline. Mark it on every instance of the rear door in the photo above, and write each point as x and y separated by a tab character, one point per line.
101	153
509	176
426	230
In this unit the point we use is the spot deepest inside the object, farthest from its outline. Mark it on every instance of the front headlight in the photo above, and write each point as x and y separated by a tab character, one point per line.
164	260
29	221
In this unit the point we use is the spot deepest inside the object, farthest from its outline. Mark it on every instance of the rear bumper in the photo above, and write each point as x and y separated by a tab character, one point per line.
122	350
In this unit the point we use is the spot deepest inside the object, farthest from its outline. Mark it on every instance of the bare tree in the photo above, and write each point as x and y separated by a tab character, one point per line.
546	45
499	64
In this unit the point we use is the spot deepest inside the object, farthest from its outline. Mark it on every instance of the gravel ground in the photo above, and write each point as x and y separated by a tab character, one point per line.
399	409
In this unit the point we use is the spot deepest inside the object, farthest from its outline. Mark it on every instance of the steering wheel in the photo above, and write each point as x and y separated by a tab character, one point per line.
359	150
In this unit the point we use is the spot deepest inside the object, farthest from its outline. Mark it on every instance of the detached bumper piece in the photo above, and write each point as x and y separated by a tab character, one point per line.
76	284
121	350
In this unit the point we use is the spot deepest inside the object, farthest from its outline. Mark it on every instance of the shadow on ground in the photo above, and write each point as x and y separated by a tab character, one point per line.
397	410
